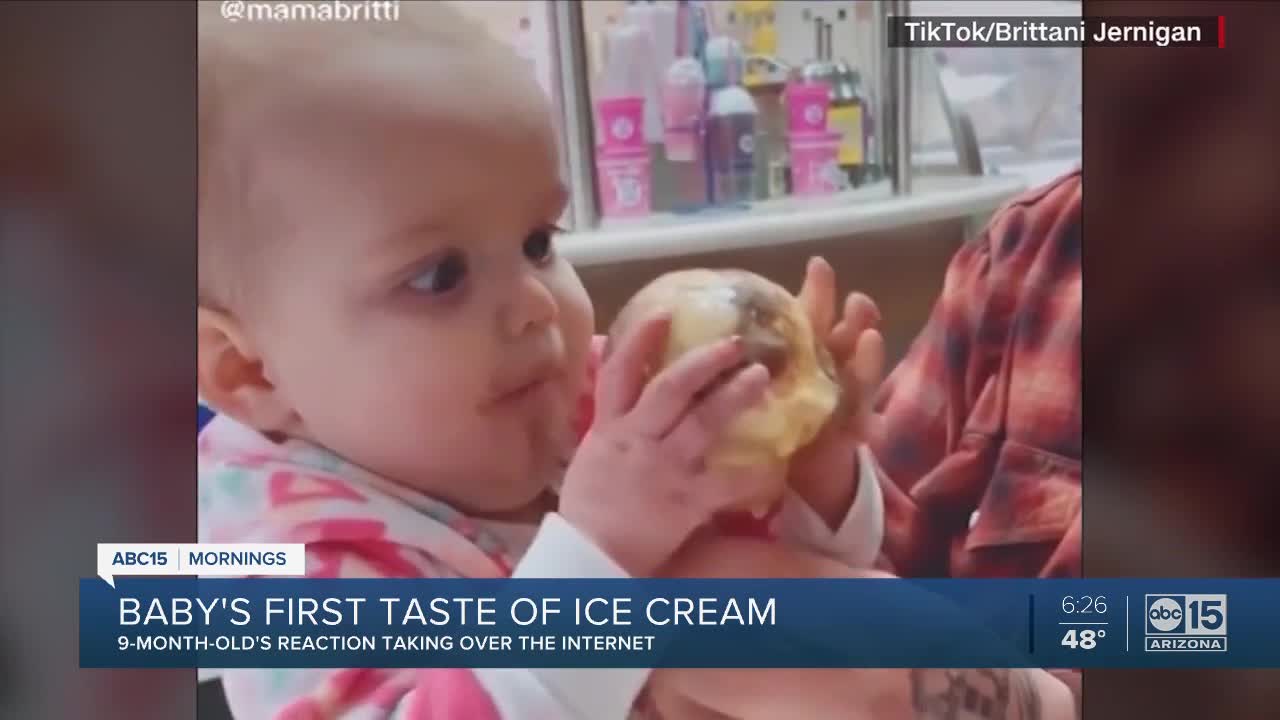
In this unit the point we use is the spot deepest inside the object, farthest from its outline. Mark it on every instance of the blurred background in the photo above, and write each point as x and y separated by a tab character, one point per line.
97	271
1182	340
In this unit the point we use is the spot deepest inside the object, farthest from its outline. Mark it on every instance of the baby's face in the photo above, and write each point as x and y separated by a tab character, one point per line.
417	315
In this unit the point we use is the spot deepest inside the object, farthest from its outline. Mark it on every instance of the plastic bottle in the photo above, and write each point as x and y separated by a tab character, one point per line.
850	115
731	138
646	63
847	114
725	61
623	164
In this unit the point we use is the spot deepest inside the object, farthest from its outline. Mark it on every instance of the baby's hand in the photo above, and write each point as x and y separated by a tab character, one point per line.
850	334
639	484
825	472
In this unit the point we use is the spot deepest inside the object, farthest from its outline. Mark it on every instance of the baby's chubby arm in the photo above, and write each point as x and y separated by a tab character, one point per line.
856	540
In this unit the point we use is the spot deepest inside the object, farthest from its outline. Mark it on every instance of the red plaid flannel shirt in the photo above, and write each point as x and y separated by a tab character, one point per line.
979	450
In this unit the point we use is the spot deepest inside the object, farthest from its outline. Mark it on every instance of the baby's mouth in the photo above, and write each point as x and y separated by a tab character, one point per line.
524	392
527	386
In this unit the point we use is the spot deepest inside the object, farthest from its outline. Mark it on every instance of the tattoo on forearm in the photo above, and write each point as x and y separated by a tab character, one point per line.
974	695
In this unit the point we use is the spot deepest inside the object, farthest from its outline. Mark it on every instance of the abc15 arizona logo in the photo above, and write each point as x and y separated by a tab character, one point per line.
1187	623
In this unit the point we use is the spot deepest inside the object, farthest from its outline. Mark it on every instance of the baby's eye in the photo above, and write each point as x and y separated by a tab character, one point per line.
441	277
538	246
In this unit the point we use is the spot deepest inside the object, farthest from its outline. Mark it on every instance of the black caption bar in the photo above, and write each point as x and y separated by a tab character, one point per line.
1024	32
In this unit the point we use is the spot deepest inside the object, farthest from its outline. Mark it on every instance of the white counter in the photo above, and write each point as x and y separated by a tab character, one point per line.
790	220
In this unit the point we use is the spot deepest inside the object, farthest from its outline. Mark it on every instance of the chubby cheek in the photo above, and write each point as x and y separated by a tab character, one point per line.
428	388
577	317
415	424
377	392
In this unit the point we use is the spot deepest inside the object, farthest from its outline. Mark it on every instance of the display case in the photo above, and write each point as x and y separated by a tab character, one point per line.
690	127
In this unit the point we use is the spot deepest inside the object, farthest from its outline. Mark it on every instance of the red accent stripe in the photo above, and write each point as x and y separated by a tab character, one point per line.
1222	31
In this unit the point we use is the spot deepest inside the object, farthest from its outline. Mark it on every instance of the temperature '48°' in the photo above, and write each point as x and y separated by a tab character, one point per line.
1083	639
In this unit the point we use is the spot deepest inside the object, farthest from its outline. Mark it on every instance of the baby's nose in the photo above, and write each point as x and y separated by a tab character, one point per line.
533	305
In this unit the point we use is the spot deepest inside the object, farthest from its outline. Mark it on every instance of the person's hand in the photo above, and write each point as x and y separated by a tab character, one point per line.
639	485
825	472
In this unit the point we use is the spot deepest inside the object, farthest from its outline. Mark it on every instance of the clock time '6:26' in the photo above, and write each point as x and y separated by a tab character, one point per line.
1084	605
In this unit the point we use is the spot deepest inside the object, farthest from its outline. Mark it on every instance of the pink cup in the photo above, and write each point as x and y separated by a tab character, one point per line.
621	123
815	167
625	183
807	104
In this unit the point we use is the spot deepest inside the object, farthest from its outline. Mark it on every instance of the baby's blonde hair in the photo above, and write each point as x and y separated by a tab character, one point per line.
240	62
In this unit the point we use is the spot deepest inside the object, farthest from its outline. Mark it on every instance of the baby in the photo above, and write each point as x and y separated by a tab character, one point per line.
401	362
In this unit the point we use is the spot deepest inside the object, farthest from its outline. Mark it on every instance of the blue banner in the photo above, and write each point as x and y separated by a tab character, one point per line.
280	622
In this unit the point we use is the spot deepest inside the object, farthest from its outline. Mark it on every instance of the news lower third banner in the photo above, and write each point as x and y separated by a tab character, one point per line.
168	622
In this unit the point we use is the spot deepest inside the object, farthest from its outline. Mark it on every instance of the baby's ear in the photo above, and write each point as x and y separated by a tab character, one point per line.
231	378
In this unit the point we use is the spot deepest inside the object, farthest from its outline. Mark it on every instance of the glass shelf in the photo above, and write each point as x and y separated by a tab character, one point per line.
875	191
784	221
